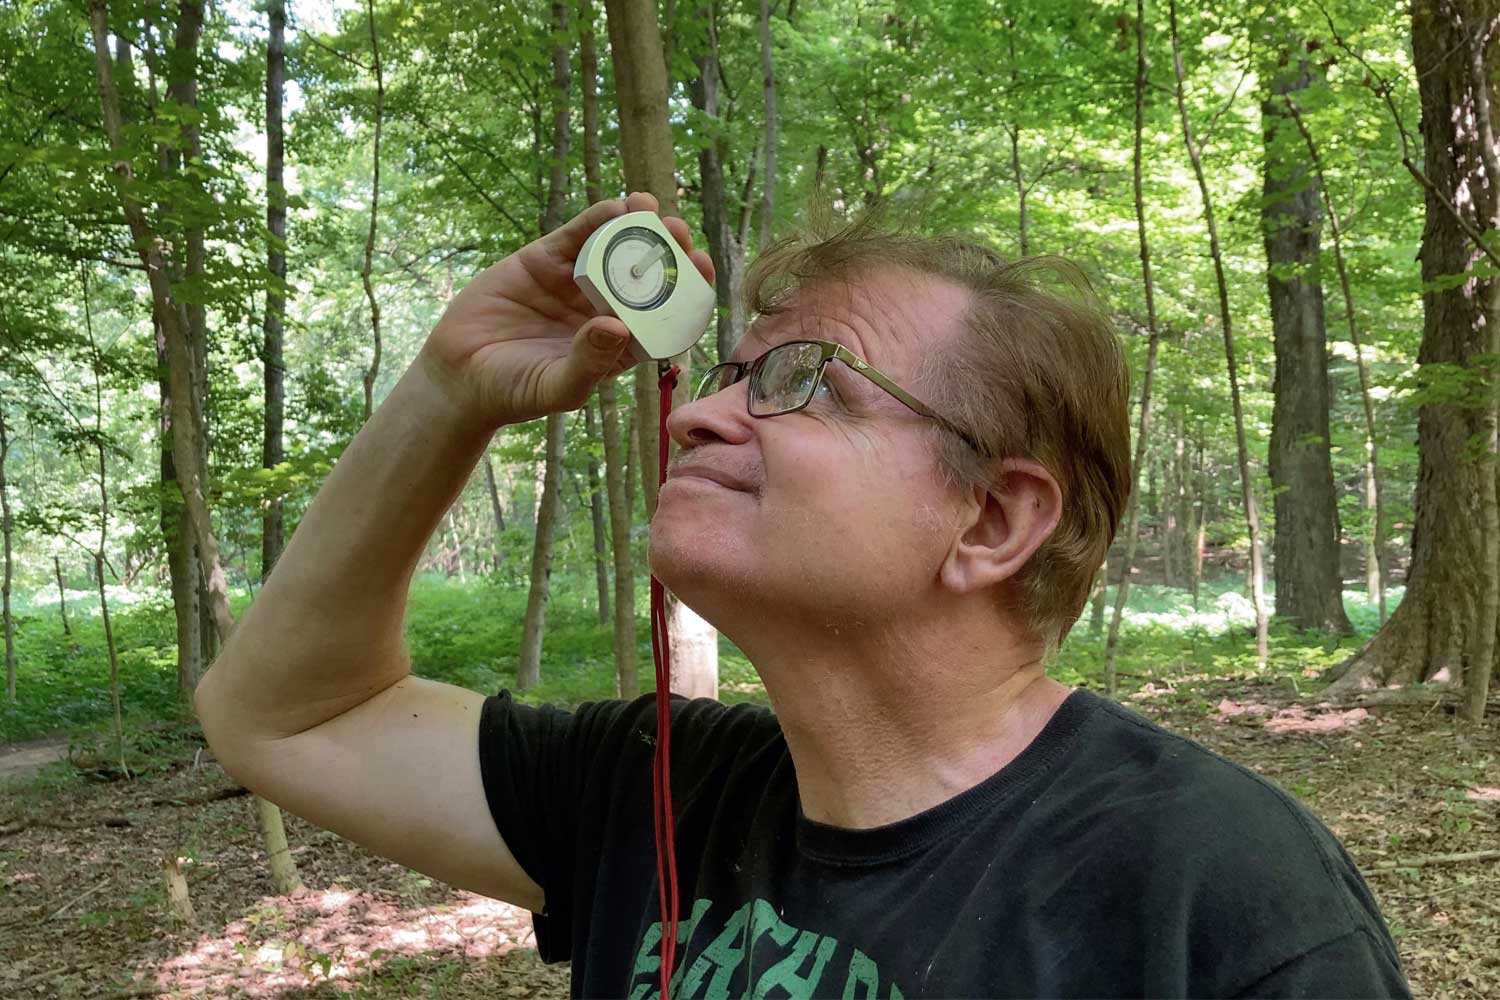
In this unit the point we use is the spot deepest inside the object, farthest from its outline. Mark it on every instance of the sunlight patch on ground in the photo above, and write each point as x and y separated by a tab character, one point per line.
1293	718
331	935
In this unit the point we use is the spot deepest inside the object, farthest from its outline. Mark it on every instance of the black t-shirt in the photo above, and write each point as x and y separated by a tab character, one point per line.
1111	858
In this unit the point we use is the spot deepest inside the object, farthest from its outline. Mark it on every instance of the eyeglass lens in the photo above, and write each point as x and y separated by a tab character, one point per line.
785	379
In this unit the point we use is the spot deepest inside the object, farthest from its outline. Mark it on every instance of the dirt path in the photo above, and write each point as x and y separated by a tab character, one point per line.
18	760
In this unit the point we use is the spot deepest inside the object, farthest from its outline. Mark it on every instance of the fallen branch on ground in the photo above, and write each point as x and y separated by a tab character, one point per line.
1432	859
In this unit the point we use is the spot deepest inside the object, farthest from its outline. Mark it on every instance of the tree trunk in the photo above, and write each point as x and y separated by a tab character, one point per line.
627	684
1305	546
705	90
62	595
768	83
1433	632
535	624
646	149
1200	522
1143	428
497	510
5	524
1375	566
185	444
616	449
1252	519
529	670
373	372
96	362
596	518
272	453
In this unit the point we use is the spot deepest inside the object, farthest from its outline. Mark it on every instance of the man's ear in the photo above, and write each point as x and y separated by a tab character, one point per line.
1002	529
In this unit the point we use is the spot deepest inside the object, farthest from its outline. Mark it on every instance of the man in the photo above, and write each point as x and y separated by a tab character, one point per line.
892	499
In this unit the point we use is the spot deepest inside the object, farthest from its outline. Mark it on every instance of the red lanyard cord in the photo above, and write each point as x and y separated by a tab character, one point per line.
661	769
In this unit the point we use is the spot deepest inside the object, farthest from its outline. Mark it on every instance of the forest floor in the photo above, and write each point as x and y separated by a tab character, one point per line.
83	910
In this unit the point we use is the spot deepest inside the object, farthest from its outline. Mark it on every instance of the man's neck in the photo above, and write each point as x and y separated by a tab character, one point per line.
884	724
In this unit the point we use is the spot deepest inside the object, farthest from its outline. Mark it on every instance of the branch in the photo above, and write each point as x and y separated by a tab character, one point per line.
1383	88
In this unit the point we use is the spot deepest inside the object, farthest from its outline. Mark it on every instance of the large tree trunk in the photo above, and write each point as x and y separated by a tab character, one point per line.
373	372
1143	429
1305	548
646	148
5	525
186	443
272	454
730	317
1433	632
1247	492
1375	562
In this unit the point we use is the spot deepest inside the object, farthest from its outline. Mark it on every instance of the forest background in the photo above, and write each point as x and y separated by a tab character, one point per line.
225	230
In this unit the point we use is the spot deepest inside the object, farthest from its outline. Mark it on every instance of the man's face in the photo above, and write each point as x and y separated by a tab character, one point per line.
838	511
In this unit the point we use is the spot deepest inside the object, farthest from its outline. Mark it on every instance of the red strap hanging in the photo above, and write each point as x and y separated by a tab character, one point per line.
661	769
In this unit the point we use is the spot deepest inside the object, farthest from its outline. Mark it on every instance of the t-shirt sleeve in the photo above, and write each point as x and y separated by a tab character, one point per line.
1352	966
539	766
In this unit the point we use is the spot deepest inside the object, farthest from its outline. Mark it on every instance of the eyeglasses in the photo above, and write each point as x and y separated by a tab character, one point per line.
784	379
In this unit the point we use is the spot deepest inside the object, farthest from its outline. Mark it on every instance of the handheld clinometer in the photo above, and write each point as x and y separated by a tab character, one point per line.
633	268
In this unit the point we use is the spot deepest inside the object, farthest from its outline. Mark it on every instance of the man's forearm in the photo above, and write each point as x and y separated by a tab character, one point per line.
325	632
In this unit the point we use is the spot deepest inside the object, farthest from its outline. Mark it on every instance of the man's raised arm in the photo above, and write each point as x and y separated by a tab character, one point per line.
311	703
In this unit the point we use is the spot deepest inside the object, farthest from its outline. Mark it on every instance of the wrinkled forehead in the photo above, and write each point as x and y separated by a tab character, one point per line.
890	317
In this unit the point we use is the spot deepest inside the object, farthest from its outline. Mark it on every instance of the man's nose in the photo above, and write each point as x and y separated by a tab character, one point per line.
722	417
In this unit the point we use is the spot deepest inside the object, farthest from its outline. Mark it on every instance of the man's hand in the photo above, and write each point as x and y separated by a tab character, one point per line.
521	340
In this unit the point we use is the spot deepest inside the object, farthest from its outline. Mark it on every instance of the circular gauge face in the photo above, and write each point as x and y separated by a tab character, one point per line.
640	268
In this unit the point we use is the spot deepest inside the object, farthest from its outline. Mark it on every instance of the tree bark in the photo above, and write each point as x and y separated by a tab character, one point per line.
1252	519
647	152
5	523
768	84
1434	631
497	510
1305	546
373	372
185	444
272	454
1143	428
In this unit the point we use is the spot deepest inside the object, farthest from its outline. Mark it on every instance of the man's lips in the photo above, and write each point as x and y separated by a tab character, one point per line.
711	474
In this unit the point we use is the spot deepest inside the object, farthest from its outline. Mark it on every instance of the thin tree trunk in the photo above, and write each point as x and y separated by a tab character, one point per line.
1200	520
1143	428
647	152
497	510
1375	566
373	372
62	595
596	517
272	453
627	682
768	82
705	90
96	362
1013	132
5	523
185	446
1252	519
529	670
1101	592
535	624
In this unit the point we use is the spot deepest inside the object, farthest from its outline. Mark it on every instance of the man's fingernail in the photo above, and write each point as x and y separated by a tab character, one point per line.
603	339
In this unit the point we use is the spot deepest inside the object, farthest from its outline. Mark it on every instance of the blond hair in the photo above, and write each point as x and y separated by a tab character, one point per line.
1035	372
